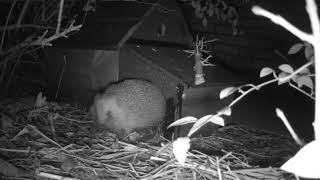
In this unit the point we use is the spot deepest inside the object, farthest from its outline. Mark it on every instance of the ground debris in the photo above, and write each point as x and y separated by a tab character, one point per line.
58	140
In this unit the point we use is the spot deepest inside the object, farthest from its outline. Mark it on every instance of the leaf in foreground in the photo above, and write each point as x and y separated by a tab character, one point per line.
305	80
227	91
201	122
306	162
217	120
183	121
295	48
286	68
225	111
265	71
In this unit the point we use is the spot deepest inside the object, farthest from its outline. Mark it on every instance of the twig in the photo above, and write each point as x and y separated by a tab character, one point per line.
20	53
61	75
74	120
12	72
46	42
23	12
285	121
43	10
314	18
218	168
164	9
42	41
43	135
7	22
60	16
282	22
2	41
17	26
251	89
4	66
281	55
302	91
18	150
53	176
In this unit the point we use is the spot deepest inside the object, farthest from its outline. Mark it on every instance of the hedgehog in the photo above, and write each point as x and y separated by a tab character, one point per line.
128	104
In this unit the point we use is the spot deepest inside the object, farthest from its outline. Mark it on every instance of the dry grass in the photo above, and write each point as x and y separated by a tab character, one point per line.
58	140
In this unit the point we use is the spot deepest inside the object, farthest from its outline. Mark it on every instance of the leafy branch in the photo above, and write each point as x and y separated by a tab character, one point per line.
301	77
305	162
220	9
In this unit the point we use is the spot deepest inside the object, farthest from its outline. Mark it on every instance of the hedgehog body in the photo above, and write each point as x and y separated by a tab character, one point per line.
129	104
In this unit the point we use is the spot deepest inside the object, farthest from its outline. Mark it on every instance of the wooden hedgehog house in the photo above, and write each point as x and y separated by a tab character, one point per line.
145	42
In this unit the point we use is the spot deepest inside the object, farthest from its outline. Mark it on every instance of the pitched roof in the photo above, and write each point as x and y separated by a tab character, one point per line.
114	22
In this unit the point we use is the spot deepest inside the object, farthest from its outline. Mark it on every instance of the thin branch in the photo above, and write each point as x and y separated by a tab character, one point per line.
314	19
12	73
164	9
285	121
17	26
23	12
61	75
251	89
302	91
41	41
44	41
2	41
4	66
47	41
60	16
7	22
43	10
281	55
22	52
282	22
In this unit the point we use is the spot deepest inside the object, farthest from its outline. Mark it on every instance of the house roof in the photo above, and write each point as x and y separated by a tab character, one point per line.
176	61
117	22
114	22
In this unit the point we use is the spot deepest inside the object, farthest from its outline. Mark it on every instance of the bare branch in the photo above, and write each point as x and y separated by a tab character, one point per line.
314	19
23	12
60	16
42	41
7	22
2	40
282	22
17	26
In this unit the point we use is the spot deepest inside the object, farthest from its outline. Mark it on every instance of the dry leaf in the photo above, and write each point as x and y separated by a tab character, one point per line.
180	148
41	100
